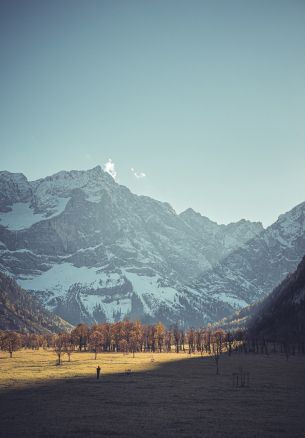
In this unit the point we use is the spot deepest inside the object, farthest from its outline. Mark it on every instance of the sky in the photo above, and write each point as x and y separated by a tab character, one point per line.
197	103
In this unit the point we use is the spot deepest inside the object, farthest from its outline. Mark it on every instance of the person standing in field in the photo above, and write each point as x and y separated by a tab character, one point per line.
98	370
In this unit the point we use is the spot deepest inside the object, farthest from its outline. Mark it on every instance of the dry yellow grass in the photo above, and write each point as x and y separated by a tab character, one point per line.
174	396
38	366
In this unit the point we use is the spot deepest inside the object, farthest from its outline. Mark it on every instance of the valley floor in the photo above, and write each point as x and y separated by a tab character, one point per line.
166	395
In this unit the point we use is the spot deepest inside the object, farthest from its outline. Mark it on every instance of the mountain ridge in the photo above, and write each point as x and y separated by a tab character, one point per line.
91	250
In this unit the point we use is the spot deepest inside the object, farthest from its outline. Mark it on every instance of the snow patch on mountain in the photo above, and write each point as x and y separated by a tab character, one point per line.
151	289
23	216
62	276
235	302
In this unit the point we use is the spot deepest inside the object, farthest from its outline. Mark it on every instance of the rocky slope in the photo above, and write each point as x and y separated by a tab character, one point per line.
250	272
20	311
92	251
218	241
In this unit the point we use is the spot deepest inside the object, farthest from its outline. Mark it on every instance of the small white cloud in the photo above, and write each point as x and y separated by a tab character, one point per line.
109	167
138	175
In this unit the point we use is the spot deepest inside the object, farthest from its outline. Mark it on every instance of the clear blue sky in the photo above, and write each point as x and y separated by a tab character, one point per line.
205	97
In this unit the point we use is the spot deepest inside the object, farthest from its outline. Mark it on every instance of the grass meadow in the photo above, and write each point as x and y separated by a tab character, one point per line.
166	395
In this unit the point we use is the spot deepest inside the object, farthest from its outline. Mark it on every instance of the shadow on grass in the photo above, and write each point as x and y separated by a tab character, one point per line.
177	399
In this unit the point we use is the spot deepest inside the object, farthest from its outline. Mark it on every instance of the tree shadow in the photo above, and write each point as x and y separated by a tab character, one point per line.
183	398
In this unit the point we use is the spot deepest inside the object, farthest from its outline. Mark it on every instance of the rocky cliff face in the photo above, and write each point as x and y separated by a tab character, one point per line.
93	251
218	241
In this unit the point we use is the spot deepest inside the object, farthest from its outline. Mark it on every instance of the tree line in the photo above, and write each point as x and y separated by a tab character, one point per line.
133	336
124	336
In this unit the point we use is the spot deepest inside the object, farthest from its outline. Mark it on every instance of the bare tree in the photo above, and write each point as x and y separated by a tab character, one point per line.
191	340
133	344
135	338
11	341
168	340
59	346
217	346
207	341
96	342
176	336
68	345
160	334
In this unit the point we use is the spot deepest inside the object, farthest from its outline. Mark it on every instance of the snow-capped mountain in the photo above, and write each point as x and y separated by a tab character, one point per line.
255	269
94	251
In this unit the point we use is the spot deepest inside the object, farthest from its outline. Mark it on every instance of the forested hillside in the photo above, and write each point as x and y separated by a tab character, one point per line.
281	316
20	311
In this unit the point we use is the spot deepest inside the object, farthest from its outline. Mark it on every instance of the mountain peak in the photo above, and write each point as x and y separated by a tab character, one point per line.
14	187
74	174
97	168
246	223
8	174
190	212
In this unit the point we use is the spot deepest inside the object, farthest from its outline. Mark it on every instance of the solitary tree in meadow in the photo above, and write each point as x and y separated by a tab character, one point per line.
59	346
10	342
